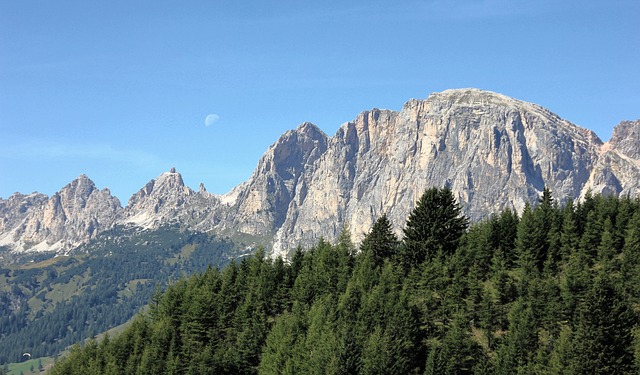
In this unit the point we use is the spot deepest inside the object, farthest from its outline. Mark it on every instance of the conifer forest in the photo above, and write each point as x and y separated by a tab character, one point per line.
549	290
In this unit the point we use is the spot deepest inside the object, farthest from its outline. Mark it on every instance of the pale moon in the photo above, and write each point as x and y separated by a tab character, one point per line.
211	119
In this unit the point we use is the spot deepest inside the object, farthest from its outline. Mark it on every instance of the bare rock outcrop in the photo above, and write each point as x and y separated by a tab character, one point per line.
271	194
493	151
159	202
75	214
617	170
626	139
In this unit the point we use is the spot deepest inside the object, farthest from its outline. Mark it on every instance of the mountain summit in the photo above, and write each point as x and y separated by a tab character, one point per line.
75	214
494	152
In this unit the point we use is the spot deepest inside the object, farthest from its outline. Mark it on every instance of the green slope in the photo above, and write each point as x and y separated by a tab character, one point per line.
48	303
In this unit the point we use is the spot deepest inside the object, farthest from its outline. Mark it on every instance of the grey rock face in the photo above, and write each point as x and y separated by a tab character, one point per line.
493	151
271	194
166	200
75	214
626	139
17	207
158	202
617	170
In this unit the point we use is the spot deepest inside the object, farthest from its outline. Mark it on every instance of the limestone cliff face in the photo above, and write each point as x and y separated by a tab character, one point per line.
17	207
166	200
75	214
159	201
279	182
617	170
493	151
626	139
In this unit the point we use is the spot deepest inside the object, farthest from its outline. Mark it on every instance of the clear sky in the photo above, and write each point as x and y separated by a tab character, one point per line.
124	90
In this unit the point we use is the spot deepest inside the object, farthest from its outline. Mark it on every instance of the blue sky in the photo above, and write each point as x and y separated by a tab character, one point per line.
122	90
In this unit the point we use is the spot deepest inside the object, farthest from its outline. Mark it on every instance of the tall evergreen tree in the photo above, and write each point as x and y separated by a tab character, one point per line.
381	242
606	250
520	343
504	234
283	348
569	238
435	225
631	257
591	236
529	244
457	354
603	335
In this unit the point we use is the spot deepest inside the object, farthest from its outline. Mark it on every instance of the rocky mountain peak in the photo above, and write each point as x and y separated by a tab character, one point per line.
473	96
268	193
78	191
626	138
158	200
163	184
171	179
311	130
76	213
494	152
468	139
617	170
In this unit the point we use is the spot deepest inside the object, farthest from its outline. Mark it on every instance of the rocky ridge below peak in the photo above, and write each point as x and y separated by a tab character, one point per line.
75	214
493	151
626	138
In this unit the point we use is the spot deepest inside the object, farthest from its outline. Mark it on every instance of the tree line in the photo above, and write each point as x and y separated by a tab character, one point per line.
110	279
553	290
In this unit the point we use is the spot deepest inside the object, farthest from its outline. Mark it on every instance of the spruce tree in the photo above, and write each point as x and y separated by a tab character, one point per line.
520	342
603	341
380	242
435	225
569	238
631	257
458	353
529	244
606	250
504	234
591	235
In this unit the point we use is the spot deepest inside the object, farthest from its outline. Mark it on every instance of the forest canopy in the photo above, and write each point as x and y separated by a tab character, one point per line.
553	290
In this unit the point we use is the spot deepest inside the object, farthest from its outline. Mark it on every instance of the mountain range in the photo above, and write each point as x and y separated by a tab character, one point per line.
494	152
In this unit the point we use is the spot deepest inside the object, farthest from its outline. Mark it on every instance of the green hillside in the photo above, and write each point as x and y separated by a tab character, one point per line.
554	290
48	303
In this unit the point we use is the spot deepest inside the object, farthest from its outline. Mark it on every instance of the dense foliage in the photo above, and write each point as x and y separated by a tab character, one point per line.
553	291
50	304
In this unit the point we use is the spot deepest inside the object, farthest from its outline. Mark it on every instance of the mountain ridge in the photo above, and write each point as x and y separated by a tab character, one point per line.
493	151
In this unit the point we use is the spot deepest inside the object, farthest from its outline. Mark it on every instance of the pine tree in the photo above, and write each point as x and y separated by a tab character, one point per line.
569	238
281	354
547	231
529	244
631	257
521	341
606	250
480	251
560	357
591	236
435	225
504	234
458	353
383	353
603	335
381	242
